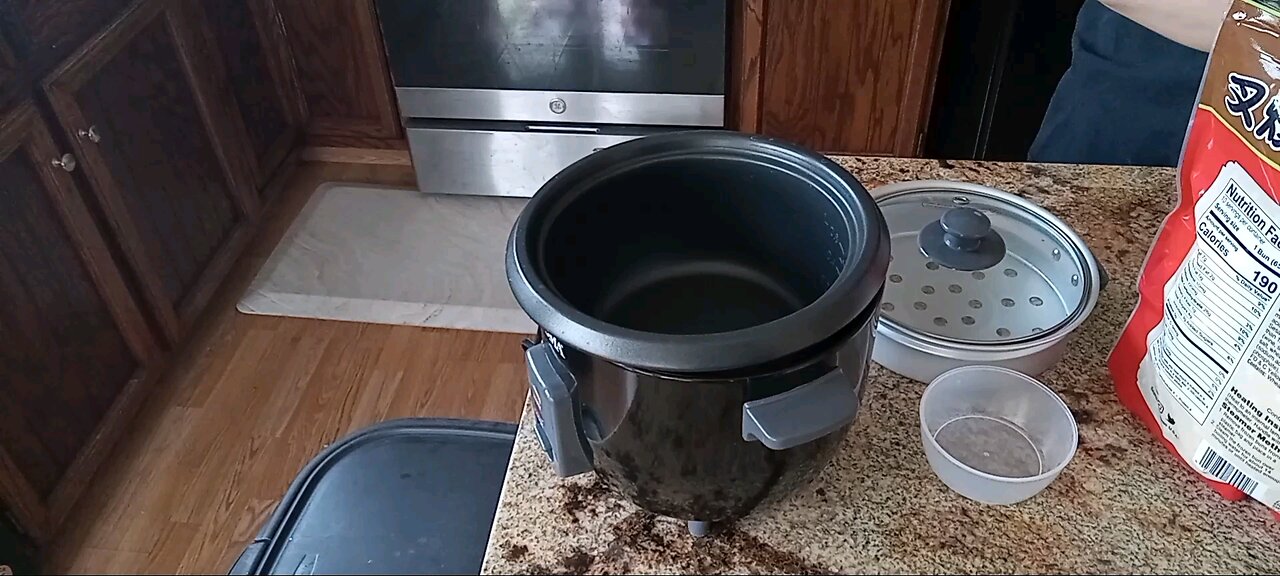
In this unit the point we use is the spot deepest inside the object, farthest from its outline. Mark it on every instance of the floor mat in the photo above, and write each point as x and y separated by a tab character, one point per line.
394	256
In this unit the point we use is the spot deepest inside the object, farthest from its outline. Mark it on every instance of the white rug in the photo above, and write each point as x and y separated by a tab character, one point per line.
394	256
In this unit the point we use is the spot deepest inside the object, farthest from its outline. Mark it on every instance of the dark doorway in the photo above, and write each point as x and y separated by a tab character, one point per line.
1001	62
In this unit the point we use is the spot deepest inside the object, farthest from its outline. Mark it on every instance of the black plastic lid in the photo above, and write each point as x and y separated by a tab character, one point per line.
412	496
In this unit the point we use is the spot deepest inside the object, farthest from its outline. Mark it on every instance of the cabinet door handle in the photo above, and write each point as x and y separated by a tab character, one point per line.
66	162
91	134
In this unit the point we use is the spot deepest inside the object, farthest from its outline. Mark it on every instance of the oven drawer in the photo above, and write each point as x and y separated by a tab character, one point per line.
497	162
560	107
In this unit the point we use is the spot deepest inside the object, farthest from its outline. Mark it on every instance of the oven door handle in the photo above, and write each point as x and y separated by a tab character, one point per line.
553	128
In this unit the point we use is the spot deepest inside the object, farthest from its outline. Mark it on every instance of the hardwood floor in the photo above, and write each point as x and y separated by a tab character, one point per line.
252	398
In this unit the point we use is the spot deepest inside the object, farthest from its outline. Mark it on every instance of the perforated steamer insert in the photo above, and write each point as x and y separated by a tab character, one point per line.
979	271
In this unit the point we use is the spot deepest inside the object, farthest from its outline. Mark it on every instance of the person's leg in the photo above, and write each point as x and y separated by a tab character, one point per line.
1126	98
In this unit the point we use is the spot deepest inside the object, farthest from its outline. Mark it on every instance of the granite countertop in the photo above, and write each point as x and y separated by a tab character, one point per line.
1124	504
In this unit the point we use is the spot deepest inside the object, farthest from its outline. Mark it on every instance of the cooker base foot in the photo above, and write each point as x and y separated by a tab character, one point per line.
698	528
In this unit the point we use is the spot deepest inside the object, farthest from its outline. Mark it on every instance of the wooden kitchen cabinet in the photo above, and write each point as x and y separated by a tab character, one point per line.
259	78
76	353
337	46
162	154
836	75
136	140
43	32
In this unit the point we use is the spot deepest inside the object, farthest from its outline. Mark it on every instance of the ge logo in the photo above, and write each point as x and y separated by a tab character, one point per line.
558	106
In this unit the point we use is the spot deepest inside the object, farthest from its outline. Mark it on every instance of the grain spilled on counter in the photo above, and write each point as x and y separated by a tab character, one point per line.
580	499
646	539
514	553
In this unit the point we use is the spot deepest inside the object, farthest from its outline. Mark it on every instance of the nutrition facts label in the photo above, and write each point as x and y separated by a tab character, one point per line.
1219	298
1215	353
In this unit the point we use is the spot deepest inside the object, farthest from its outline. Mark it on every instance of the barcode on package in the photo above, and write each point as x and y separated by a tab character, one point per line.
1218	467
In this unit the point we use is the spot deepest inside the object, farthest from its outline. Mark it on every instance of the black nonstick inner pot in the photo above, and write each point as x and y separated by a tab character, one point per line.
698	252
686	246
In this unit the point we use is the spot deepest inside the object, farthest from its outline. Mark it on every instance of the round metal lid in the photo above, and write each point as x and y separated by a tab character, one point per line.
954	281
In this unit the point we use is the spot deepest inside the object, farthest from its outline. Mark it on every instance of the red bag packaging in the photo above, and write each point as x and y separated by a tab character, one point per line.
1199	360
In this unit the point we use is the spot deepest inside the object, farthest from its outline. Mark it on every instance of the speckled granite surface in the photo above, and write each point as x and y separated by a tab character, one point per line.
1123	505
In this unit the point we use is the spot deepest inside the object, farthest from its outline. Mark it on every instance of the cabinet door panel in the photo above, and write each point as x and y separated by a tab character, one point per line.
133	104
75	344
338	48
260	79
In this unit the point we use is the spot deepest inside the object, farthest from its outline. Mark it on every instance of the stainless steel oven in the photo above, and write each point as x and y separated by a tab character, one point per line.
499	95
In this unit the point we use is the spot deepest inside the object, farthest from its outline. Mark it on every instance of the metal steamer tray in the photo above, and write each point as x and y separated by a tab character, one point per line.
978	276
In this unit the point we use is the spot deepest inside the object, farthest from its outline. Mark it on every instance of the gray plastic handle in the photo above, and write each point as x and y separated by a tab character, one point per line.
962	239
802	414
552	386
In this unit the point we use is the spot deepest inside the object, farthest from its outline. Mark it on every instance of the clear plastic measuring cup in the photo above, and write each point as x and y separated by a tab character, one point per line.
995	435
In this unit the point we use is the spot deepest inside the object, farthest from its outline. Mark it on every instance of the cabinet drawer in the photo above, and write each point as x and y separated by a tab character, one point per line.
445	158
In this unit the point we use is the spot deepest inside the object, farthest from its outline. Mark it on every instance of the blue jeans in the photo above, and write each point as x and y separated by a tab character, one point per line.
1127	97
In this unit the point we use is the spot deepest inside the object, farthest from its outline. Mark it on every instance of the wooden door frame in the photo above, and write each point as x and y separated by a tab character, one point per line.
746	62
917	103
749	42
60	88
22	130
